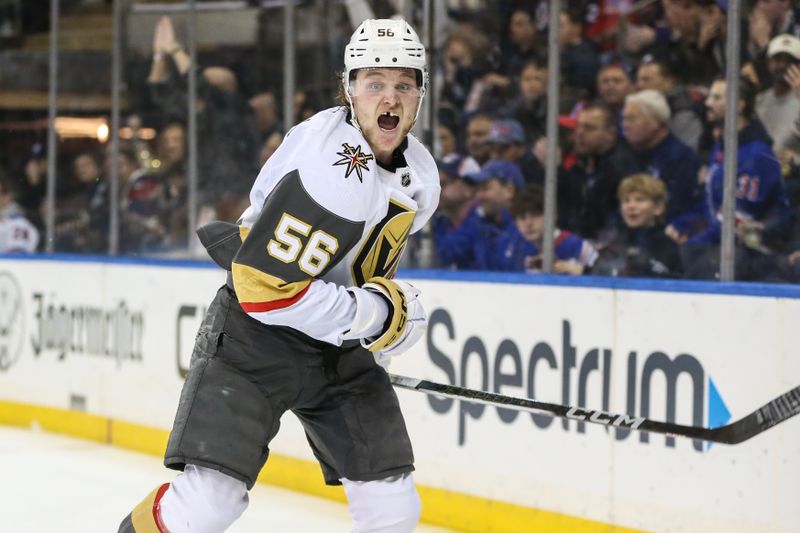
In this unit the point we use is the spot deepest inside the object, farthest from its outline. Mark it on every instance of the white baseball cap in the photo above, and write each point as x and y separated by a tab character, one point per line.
784	44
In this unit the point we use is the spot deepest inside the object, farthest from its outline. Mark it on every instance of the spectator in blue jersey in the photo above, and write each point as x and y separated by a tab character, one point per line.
640	248
519	248
470	245
645	123
763	218
507	141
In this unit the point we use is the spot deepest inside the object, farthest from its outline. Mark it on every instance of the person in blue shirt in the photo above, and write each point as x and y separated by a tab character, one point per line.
763	217
470	245
519	247
645	123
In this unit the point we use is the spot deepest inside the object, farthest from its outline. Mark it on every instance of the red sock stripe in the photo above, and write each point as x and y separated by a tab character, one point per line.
261	307
157	508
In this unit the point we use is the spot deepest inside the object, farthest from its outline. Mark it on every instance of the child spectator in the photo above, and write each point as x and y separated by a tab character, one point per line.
519	247
640	248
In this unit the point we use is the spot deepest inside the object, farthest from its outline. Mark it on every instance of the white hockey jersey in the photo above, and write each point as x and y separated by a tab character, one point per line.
17	234
324	216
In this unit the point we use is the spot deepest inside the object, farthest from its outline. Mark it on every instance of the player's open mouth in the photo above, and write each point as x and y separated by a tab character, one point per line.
388	121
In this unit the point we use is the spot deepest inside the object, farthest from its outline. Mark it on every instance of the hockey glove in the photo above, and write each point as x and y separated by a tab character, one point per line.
405	323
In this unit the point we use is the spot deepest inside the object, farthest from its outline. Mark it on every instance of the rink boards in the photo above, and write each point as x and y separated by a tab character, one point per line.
99	349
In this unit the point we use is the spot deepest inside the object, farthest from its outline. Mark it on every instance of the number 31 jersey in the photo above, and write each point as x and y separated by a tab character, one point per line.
324	216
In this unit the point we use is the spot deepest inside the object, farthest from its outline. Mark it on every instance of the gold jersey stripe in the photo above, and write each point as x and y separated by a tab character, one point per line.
143	516
260	289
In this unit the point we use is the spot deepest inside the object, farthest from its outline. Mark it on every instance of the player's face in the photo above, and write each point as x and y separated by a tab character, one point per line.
639	211
385	102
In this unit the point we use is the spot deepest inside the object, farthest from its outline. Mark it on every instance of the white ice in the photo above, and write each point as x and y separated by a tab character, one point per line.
51	483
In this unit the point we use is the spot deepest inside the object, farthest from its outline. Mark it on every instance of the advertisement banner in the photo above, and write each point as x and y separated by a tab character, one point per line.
114	339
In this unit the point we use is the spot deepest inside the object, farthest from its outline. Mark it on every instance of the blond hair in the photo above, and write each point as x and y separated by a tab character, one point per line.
644	184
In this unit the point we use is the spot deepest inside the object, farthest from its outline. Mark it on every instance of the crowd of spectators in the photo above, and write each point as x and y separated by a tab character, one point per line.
641	155
640	151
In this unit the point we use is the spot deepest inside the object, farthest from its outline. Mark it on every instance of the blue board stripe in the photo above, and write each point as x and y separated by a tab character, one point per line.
774	290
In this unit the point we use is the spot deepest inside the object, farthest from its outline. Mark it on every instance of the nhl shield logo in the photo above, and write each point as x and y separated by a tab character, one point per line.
405	179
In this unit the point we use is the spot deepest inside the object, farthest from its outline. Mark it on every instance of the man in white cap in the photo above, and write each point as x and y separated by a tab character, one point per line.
778	107
311	307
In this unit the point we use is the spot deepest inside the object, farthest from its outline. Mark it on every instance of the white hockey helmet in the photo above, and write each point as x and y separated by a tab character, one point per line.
381	43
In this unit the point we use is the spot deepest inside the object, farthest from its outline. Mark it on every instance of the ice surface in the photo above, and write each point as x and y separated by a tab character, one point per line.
55	483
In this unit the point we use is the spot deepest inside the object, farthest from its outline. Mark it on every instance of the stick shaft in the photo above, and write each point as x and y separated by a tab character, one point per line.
778	410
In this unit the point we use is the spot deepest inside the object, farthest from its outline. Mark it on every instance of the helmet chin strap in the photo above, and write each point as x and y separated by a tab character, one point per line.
353	117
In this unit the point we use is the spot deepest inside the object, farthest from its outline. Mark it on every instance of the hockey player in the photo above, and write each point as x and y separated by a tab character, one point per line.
310	305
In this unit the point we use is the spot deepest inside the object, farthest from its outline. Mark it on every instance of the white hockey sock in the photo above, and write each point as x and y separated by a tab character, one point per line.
201	500
385	506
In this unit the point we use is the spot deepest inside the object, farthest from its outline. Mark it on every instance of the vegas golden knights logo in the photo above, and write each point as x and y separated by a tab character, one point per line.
381	252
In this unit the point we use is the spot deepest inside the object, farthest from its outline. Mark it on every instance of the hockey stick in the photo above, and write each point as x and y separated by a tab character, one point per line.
781	408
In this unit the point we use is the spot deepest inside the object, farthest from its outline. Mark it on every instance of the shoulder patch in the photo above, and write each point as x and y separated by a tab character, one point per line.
354	160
